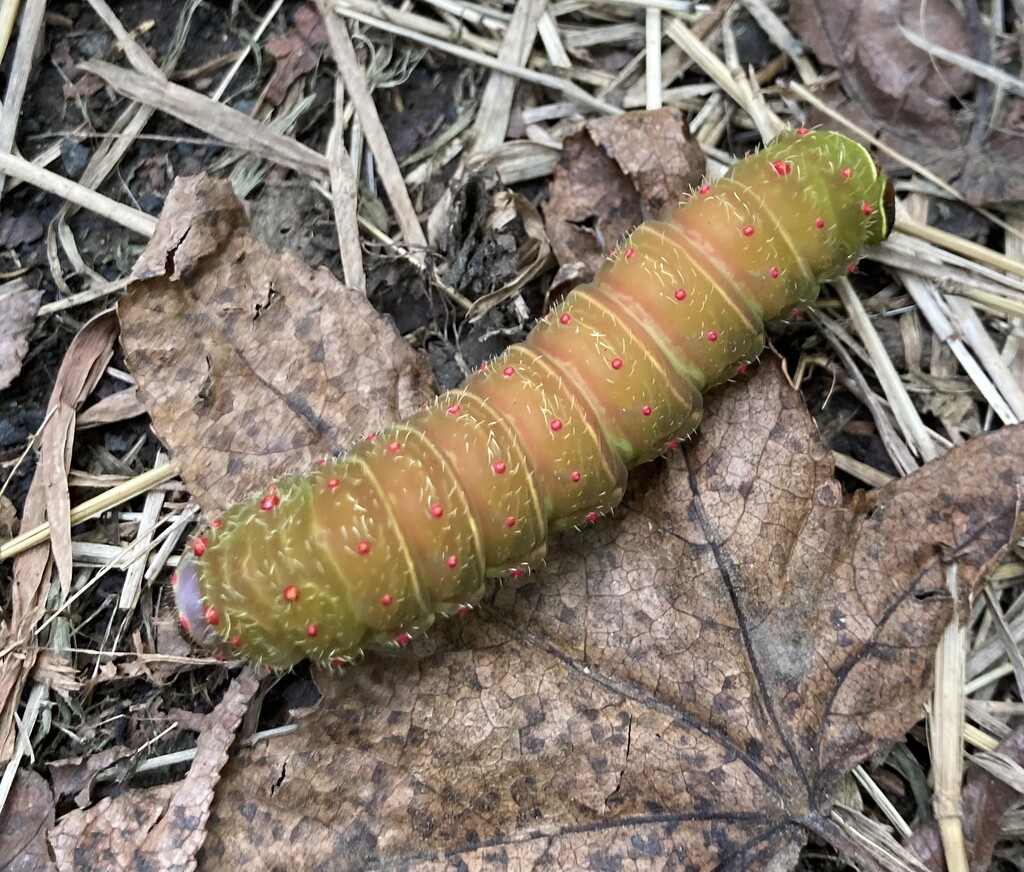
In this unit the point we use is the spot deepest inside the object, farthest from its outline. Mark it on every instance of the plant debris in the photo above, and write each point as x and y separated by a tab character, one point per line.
733	670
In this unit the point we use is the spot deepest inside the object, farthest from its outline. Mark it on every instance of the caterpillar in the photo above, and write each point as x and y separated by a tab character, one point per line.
369	548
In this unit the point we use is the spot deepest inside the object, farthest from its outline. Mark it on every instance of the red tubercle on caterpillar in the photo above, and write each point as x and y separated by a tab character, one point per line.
819	223
402	639
290	594
482	366
630	253
386	600
508	371
211	616
363	548
454	409
200	545
499	467
575	475
564	318
452	561
184	623
748	230
742	368
510	521
704	190
515	572
846	173
851	268
219	657
680	294
796	314
866	208
437	510
556	425
217	523
320	461
333	484
712	336
782	167
463	609
646	411
774	272
802	131
236	641
592	517
272	501
312	630
394	447
174	579
371	437
617	363
673	445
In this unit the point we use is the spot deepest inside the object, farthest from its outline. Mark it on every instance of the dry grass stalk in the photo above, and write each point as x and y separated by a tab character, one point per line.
556	83
345	195
126	216
492	121
10	111
390	173
946	737
91	508
238	130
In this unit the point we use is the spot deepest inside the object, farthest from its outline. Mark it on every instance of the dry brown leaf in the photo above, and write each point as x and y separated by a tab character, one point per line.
8	518
86	359
75	777
28	815
19	303
19	230
296	52
161	828
251	361
683	686
615	173
111	409
894	89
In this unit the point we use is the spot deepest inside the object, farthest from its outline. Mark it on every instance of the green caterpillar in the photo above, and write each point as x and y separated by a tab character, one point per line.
370	548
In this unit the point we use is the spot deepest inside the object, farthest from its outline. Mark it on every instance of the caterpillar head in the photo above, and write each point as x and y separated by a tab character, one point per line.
192	609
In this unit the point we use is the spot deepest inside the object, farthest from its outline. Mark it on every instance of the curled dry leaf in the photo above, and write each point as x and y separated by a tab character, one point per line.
75	777
28	814
685	684
249	359
615	173
295	52
19	303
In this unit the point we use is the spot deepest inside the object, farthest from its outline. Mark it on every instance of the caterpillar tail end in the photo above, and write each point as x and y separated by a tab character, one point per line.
192	610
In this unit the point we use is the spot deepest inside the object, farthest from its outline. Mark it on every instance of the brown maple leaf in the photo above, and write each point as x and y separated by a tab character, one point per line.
683	685
686	683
